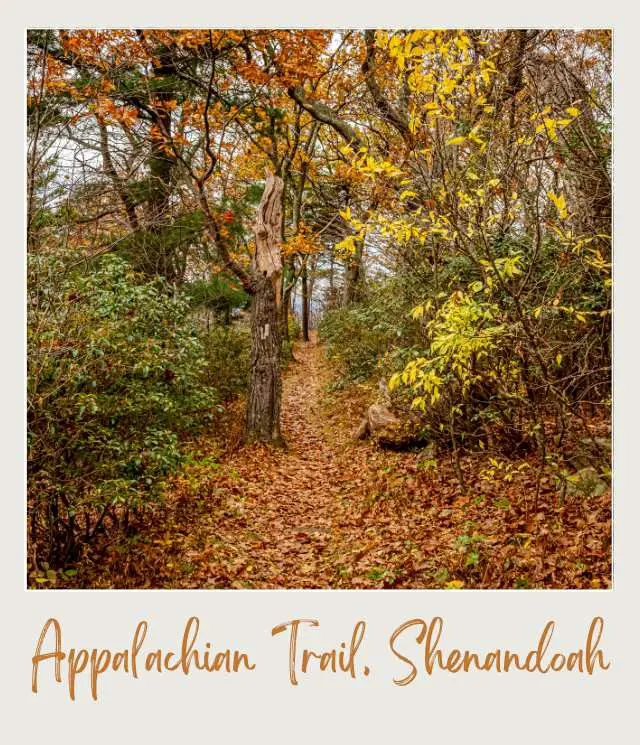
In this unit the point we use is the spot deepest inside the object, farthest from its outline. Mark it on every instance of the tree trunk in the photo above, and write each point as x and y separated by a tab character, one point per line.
305	300
286	310
265	386
265	383
352	276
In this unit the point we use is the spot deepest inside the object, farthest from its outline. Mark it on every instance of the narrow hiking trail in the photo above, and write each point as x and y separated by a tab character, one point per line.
303	517
284	518
332	512
285	515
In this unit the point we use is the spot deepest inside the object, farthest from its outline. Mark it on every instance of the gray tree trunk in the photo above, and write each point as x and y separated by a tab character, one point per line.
305	299
352	276
265	386
265	383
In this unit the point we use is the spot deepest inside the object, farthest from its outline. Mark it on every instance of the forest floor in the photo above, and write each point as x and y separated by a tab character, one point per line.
332	512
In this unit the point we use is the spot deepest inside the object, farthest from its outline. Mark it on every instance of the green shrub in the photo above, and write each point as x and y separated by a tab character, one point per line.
115	377
227	350
295	329
373	337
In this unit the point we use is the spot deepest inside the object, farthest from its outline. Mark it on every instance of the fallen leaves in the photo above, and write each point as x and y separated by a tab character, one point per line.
328	512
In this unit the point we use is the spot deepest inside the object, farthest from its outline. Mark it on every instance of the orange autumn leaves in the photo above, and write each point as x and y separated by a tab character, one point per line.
303	243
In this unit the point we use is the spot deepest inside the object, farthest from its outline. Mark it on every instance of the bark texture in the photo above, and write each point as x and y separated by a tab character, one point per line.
265	386
265	383
305	300
323	113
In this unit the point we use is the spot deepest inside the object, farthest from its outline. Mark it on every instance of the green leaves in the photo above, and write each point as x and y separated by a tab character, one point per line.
115	375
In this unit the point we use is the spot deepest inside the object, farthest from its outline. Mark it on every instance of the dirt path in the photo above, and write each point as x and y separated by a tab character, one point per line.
271	518
331	512
288	502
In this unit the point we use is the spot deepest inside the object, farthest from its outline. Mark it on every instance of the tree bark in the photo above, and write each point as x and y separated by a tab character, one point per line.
265	383
265	386
118	185
305	299
323	113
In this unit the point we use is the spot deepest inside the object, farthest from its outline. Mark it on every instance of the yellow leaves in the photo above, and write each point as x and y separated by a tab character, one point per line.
455	584
552	126
394	43
475	137
560	204
414	123
487	68
464	200
402	230
420	35
417	52
447	86
368	165
304	242
407	193
462	41
394	381
346	245
549	126
456	140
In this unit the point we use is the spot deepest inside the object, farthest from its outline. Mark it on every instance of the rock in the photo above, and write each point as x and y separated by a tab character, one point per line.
380	423
380	417
375	421
590	452
587	482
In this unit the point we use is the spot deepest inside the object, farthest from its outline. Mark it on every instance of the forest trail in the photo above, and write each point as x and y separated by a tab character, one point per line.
484	293
332	512
285	517
326	511
270	518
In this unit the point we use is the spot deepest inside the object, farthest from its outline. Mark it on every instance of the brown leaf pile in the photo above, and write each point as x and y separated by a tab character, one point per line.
330	512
